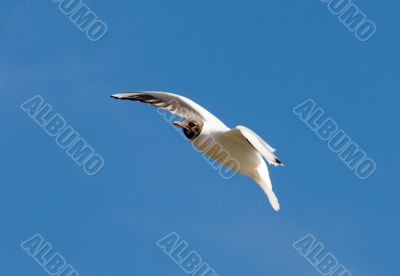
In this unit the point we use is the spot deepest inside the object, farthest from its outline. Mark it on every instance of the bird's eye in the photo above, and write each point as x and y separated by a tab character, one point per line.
192	124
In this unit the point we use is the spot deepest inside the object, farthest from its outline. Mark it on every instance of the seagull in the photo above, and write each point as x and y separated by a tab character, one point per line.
246	150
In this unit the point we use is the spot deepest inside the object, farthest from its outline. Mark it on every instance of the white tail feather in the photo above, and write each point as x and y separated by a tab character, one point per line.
272	199
265	183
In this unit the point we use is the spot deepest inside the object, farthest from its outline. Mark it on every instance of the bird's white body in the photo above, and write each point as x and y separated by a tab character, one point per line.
217	140
237	147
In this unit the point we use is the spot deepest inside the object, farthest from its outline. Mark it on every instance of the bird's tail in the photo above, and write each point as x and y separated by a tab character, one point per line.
265	183
273	199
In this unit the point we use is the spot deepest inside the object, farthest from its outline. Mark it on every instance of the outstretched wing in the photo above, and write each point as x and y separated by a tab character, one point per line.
178	105
260	145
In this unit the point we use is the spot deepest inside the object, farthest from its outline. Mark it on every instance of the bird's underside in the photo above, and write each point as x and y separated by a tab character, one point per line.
215	139
229	145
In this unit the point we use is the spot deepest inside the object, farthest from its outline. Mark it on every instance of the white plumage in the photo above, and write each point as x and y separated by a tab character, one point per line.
201	127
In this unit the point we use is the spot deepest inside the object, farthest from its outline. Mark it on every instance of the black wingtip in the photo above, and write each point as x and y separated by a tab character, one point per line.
279	162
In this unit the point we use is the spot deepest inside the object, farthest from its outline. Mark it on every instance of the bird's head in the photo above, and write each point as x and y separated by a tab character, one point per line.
191	129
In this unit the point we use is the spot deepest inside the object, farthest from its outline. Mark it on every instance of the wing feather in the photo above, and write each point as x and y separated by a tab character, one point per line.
176	104
260	145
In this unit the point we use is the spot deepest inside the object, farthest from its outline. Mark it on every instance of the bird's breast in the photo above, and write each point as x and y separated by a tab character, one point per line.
229	151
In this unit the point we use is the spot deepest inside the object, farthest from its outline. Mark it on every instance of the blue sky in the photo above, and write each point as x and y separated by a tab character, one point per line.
249	63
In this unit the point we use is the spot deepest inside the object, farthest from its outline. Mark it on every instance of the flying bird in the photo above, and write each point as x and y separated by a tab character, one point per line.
245	148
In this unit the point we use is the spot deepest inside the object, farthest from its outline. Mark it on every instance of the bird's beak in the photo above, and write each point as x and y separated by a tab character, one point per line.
179	124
